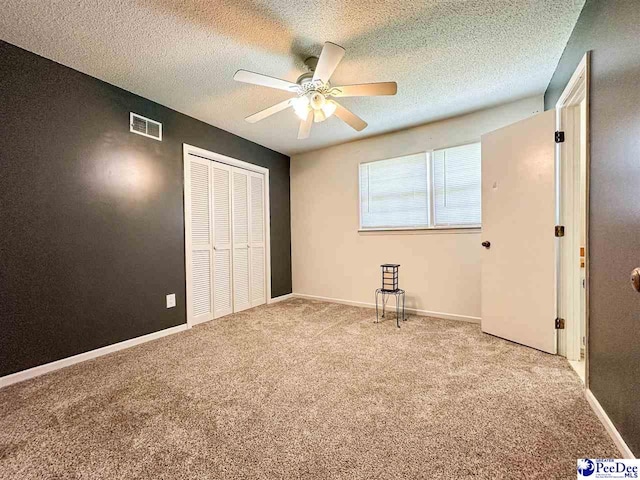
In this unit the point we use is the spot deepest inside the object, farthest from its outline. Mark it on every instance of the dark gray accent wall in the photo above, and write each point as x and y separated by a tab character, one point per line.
611	29
91	215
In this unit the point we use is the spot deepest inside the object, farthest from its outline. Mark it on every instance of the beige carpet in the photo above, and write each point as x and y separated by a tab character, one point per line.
304	389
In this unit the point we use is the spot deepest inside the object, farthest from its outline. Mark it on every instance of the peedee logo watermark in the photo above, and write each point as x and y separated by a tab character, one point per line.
608	468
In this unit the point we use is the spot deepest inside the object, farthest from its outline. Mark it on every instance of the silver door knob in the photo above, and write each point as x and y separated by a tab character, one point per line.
635	279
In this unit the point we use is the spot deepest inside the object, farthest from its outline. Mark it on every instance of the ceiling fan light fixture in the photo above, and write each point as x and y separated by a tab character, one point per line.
316	100
301	107
329	108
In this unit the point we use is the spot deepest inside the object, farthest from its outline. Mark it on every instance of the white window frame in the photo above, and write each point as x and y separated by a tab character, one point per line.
430	195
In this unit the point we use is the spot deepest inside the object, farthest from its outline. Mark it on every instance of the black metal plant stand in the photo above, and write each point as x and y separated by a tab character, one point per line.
390	287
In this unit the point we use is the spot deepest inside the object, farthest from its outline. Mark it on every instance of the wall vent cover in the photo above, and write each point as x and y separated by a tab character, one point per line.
145	126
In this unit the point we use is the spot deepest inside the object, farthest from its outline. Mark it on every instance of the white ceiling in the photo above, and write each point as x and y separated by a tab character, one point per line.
448	57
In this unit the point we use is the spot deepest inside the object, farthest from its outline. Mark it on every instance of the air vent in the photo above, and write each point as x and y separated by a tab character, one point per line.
145	126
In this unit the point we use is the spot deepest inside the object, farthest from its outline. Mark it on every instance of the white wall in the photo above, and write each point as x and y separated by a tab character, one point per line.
440	270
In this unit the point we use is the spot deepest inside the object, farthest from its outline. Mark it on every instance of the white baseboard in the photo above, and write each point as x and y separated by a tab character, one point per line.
281	298
426	313
608	425
81	357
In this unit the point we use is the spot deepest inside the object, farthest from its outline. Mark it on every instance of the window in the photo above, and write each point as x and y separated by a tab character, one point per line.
439	189
393	193
456	186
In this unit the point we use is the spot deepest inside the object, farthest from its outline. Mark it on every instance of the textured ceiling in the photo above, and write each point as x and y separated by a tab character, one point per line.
448	57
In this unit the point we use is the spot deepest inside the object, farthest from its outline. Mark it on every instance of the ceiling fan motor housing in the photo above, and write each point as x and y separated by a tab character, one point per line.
311	63
304	78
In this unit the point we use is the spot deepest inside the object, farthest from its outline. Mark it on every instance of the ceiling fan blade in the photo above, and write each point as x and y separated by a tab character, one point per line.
264	81
267	112
328	61
365	90
305	126
350	118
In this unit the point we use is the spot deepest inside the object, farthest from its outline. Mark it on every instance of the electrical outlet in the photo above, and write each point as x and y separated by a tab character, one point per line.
171	300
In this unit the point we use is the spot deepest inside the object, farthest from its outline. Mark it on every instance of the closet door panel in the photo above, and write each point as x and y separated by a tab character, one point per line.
241	245
222	283
201	285
258	293
198	226
257	237
222	276
257	209
241	279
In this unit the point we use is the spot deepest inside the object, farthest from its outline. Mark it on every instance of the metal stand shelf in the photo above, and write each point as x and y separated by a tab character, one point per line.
399	294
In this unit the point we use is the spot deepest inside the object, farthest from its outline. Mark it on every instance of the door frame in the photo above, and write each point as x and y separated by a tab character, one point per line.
233	162
576	91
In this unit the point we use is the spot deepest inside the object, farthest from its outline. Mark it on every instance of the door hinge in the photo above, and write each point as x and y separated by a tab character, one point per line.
559	231
559	136
560	323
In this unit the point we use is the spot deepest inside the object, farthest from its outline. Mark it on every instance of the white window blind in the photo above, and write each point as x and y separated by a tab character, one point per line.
457	185
426	190
393	193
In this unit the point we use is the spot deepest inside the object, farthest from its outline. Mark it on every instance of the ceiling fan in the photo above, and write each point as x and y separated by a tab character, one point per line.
314	102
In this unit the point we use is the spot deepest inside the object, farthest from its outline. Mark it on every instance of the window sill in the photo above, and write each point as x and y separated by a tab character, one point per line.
421	230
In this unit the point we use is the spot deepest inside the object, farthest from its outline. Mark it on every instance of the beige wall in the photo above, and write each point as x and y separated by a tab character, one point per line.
440	270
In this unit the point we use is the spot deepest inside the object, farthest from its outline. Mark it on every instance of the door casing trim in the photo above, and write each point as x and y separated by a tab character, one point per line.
574	93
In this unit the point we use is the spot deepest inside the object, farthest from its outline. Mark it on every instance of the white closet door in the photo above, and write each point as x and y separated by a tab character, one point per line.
198	226
222	251
241	244
257	240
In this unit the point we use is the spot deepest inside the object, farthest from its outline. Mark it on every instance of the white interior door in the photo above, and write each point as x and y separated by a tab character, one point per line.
518	217
257	244
222	251
198	230
241	243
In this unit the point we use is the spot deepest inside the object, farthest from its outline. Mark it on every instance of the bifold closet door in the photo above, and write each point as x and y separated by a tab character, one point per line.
198	230
222	251
257	247
241	245
249	249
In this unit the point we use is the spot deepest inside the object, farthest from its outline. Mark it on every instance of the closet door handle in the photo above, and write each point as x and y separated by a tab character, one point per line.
486	244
